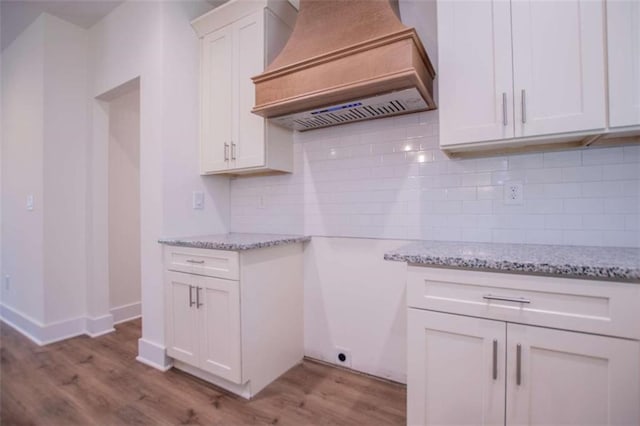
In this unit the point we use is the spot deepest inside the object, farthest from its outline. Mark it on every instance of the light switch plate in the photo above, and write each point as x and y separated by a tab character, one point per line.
198	200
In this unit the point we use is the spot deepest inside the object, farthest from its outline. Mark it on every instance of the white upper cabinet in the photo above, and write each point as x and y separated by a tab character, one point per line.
623	39
215	120
475	78
236	40
558	66
516	73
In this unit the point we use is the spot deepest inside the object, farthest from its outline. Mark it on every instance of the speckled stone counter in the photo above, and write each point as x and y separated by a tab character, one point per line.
234	241
612	263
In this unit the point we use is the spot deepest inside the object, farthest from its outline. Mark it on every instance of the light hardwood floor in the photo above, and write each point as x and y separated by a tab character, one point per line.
84	381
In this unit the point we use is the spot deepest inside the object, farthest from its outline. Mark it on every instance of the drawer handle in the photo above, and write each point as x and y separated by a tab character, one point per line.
199	262
506	299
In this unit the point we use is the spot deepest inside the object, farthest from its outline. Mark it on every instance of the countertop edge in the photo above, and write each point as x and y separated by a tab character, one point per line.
213	245
564	271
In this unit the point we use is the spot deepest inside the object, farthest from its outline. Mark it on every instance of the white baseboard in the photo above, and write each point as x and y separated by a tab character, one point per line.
153	355
43	334
98	326
22	323
126	312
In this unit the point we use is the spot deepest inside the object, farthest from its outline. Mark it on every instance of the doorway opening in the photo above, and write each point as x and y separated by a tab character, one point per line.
123	205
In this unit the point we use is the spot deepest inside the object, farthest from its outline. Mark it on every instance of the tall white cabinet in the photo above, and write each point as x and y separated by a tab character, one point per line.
237	42
500	349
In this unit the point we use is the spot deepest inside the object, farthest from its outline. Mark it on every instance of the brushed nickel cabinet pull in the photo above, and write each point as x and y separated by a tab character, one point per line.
226	151
504	109
198	304
495	359
506	299
518	364
199	262
233	150
524	106
191	302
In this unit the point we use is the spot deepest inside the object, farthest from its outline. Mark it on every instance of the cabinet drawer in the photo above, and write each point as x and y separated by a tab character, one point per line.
601	307
212	263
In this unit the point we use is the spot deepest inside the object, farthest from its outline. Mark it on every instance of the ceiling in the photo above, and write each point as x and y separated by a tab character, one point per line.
16	15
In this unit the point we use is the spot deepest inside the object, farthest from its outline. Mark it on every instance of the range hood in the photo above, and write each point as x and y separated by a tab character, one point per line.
346	61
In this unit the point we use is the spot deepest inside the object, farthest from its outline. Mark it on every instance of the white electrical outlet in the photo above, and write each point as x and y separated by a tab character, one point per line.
261	202
7	282
342	357
198	200
513	193
29	202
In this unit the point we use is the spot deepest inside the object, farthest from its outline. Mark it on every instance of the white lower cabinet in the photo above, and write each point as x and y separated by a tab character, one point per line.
203	323
467	370
450	371
234	319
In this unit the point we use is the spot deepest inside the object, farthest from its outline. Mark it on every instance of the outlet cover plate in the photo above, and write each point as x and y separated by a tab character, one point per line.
513	193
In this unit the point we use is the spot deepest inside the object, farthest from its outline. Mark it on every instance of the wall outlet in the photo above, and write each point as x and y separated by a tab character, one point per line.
7	282
513	193
198	200
342	357
30	202
261	203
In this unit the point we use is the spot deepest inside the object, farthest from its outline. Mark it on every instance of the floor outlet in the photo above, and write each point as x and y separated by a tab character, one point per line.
513	193
342	357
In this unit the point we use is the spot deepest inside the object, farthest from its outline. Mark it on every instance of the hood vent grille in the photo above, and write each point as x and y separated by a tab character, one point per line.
394	103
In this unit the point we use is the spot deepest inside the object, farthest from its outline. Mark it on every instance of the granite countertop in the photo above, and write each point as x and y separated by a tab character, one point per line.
613	263
234	241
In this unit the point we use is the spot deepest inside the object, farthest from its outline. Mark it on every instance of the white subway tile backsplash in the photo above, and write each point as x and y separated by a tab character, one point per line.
602	156
562	158
584	205
389	179
527	161
620	172
543	237
543	175
582	174
603	222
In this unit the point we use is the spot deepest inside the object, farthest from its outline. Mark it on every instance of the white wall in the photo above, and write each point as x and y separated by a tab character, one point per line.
64	162
124	200
355	300
44	136
22	171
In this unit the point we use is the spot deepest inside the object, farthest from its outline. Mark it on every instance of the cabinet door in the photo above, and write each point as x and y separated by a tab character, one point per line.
475	71
181	317
570	378
216	100
450	371
623	36
219	307
249	140
558	66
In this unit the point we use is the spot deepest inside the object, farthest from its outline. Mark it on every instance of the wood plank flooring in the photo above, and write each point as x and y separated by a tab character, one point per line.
84	381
